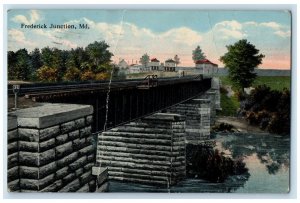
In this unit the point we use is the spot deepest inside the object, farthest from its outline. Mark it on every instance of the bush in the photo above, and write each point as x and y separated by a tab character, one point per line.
47	74
87	75
102	76
72	74
270	109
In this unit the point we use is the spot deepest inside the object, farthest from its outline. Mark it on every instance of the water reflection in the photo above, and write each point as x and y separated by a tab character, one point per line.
266	157
271	150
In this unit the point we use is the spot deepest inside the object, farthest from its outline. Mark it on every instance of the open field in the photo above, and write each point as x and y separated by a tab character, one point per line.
274	82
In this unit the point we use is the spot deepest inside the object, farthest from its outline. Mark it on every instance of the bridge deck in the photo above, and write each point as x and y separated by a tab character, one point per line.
127	100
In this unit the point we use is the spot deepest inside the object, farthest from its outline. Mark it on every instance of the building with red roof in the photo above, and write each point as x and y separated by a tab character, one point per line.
205	66
153	65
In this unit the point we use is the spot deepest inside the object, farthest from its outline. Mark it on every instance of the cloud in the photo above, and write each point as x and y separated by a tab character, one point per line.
19	38
283	34
272	25
229	29
182	35
34	17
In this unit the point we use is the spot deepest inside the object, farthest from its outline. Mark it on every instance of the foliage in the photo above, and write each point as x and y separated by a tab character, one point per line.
177	60
87	75
241	59
198	54
102	76
21	67
47	74
98	53
144	60
72	74
36	59
270	109
94	59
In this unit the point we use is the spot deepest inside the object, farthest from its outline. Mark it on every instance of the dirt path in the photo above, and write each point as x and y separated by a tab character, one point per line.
239	123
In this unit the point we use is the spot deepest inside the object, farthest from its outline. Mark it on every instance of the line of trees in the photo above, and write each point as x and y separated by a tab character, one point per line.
52	64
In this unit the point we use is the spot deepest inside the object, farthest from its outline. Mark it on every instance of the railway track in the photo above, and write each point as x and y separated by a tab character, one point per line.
34	91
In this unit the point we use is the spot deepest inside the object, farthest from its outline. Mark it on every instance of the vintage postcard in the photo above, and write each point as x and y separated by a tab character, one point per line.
148	101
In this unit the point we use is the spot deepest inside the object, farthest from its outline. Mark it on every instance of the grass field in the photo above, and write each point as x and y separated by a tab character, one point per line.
274	82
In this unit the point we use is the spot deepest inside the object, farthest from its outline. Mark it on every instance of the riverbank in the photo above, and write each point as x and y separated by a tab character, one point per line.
239	123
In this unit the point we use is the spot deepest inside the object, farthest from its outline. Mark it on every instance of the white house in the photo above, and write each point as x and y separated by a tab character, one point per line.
123	64
170	65
153	65
135	68
206	67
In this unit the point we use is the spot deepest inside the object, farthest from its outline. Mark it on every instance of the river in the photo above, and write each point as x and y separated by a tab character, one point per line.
266	156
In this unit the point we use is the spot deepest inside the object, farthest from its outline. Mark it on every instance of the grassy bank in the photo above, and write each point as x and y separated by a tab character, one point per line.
274	82
229	105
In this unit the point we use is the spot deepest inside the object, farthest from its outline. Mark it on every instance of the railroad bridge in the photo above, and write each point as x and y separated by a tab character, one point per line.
141	128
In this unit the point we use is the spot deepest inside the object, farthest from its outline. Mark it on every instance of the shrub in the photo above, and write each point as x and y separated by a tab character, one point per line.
270	109
47	74
87	75
72	74
102	76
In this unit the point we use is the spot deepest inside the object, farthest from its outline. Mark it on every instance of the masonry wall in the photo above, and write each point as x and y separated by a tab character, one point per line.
54	147
13	179
150	151
215	85
197	113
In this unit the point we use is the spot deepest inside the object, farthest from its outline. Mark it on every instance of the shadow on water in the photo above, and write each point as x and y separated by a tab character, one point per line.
264	167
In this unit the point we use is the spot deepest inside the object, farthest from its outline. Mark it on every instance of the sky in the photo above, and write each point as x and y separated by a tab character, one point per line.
161	34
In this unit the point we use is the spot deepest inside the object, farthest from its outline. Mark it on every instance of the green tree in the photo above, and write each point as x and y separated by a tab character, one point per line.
36	62
23	66
76	58
47	58
144	60
198	54
98	53
12	63
241	59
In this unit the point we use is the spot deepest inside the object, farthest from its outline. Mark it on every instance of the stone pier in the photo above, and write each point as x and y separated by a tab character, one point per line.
50	149
149	151
197	113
